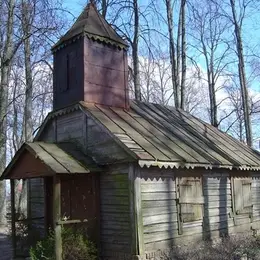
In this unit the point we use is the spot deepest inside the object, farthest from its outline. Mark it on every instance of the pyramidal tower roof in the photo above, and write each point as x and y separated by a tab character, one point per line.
93	25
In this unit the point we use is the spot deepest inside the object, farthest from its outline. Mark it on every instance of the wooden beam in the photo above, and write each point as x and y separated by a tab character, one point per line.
71	221
233	200
56	216
180	222
138	211
132	210
13	217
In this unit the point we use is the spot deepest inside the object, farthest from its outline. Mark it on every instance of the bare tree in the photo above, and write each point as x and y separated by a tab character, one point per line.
183	52
178	54
7	52
175	77
238	23
208	33
27	17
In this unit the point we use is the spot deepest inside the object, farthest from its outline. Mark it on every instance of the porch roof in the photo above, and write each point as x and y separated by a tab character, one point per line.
39	159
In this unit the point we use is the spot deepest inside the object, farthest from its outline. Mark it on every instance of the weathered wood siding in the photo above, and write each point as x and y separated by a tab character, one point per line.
71	127
217	205
158	194
256	203
48	135
115	214
162	219
36	205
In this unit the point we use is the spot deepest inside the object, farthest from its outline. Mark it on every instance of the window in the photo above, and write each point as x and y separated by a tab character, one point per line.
68	74
242	195
190	199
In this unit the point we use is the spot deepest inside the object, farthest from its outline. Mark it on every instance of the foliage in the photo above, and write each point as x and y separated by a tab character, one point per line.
75	247
44	249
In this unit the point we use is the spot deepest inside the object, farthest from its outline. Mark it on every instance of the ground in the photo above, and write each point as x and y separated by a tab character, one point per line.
5	244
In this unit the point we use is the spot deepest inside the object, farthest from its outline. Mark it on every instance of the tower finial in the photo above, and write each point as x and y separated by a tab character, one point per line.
93	2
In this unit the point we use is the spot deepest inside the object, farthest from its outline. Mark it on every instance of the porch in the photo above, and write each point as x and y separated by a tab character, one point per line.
62	187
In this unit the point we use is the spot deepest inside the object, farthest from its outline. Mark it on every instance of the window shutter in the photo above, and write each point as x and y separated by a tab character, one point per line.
243	196
191	199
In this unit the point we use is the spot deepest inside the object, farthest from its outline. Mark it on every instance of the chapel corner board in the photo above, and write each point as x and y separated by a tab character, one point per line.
139	178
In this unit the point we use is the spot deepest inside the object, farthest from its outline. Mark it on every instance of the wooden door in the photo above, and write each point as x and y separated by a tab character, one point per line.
80	202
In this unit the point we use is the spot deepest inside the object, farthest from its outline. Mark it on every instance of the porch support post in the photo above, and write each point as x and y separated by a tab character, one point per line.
136	212
56	216
13	217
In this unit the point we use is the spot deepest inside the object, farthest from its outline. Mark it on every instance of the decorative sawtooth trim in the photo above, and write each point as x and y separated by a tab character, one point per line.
91	36
106	40
177	165
64	111
61	45
53	114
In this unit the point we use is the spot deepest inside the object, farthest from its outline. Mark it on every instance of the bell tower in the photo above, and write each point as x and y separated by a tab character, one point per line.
90	64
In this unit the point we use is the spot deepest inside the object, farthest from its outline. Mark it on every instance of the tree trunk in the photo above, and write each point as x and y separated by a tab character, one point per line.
183	53
242	75
172	52
28	123
178	48
214	109
104	8
137	84
3	128
27	120
5	72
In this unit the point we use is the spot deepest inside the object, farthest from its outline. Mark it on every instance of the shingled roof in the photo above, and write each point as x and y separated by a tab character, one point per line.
52	158
169	137
92	24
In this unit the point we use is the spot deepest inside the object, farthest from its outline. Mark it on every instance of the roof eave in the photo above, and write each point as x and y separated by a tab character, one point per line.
95	37
183	165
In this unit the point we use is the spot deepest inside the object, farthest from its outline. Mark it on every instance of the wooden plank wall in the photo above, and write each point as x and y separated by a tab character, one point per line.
217	206
160	218
256	202
36	205
159	208
115	213
71	127
48	135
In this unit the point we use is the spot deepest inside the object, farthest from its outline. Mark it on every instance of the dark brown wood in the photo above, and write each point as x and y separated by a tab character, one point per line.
79	202
48	205
57	216
13	216
65	93
28	166
104	75
96	73
98	227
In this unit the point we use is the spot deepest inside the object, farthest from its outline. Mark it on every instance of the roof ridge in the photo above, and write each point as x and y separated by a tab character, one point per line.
91	23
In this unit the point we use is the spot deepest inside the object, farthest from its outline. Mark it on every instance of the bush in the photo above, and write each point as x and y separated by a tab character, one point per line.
75	247
227	248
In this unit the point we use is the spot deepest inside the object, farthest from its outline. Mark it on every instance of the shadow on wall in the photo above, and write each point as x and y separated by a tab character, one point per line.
216	215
